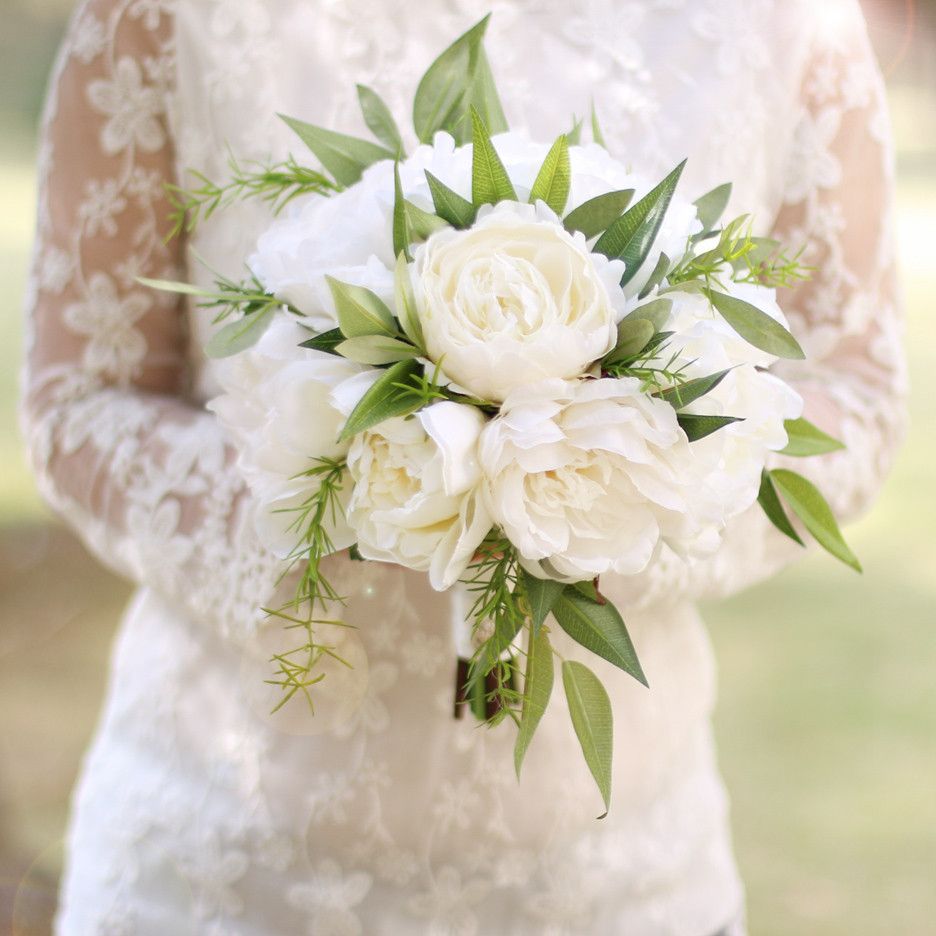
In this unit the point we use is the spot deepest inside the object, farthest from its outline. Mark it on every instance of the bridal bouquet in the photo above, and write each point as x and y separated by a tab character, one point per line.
504	363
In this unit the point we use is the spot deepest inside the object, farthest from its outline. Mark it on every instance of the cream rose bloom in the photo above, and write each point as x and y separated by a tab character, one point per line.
279	407
416	499
587	477
515	299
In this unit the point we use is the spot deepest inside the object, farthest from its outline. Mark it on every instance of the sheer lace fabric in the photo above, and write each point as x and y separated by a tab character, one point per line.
197	811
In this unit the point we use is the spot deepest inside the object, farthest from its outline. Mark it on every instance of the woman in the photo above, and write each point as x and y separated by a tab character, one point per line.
197	811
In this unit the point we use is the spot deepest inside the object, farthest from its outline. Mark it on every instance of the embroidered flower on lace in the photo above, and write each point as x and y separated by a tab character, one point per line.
212	871
115	347
456	803
150	11
449	903
102	203
89	39
813	165
330	896
133	109
55	270
372	715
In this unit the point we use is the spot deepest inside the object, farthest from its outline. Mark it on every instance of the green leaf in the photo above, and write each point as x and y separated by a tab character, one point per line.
634	335
755	326
588	589
575	133
375	349
762	251
326	341
590	710
810	506
240	335
711	206
595	215
698	427
656	277
449	205
769	500
541	595
490	183
406	303
537	688
457	80
631	237
379	120
383	400
345	157
401	229
597	135
360	311
691	390
805	439
185	289
422	224
554	179
599	628
656	311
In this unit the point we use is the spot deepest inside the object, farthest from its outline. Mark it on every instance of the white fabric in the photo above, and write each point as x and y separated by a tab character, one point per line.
197	811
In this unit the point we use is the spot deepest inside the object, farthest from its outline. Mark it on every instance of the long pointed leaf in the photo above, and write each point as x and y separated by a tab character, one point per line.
541	595
406	302
810	506
554	179
631	237
345	157
537	688
490	183
422	224
691	390
449	205
383	400
326	341
597	135
401	228
769	500
711	205
805	439
360	311
755	326
599	628
379	120
590	711
240	335
698	426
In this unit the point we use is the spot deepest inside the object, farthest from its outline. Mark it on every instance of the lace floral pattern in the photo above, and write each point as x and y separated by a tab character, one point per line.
198	811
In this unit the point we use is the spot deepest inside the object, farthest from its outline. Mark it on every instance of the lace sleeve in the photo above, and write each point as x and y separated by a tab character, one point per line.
145	478
837	200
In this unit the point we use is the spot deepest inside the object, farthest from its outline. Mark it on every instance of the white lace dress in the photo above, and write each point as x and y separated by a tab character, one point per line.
198	812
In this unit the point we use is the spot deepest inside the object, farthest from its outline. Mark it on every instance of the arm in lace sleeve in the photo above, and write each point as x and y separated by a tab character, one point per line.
145	478
838	201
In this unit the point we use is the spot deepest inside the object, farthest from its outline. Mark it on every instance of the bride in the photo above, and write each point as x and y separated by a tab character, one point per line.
199	812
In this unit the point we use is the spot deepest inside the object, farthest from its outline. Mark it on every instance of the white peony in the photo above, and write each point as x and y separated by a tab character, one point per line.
515	299
587	477
416	500
277	404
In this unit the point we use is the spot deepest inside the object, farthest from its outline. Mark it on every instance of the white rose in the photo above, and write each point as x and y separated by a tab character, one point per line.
277	404
416	500
587	477
514	299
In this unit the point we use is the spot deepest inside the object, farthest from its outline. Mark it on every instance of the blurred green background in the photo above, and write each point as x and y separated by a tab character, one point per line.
827	718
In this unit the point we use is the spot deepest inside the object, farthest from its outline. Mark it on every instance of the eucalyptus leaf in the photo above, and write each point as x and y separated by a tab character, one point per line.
541	595
360	311
712	205
590	711
384	400
699	426
633	335
599	628
769	500
805	439
345	157
375	349
449	205
598	213
554	179
537	688
755	326
326	341
597	135
631	237
240	335
406	303
379	120
458	79
811	507
656	277
490	183
401	229
691	390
